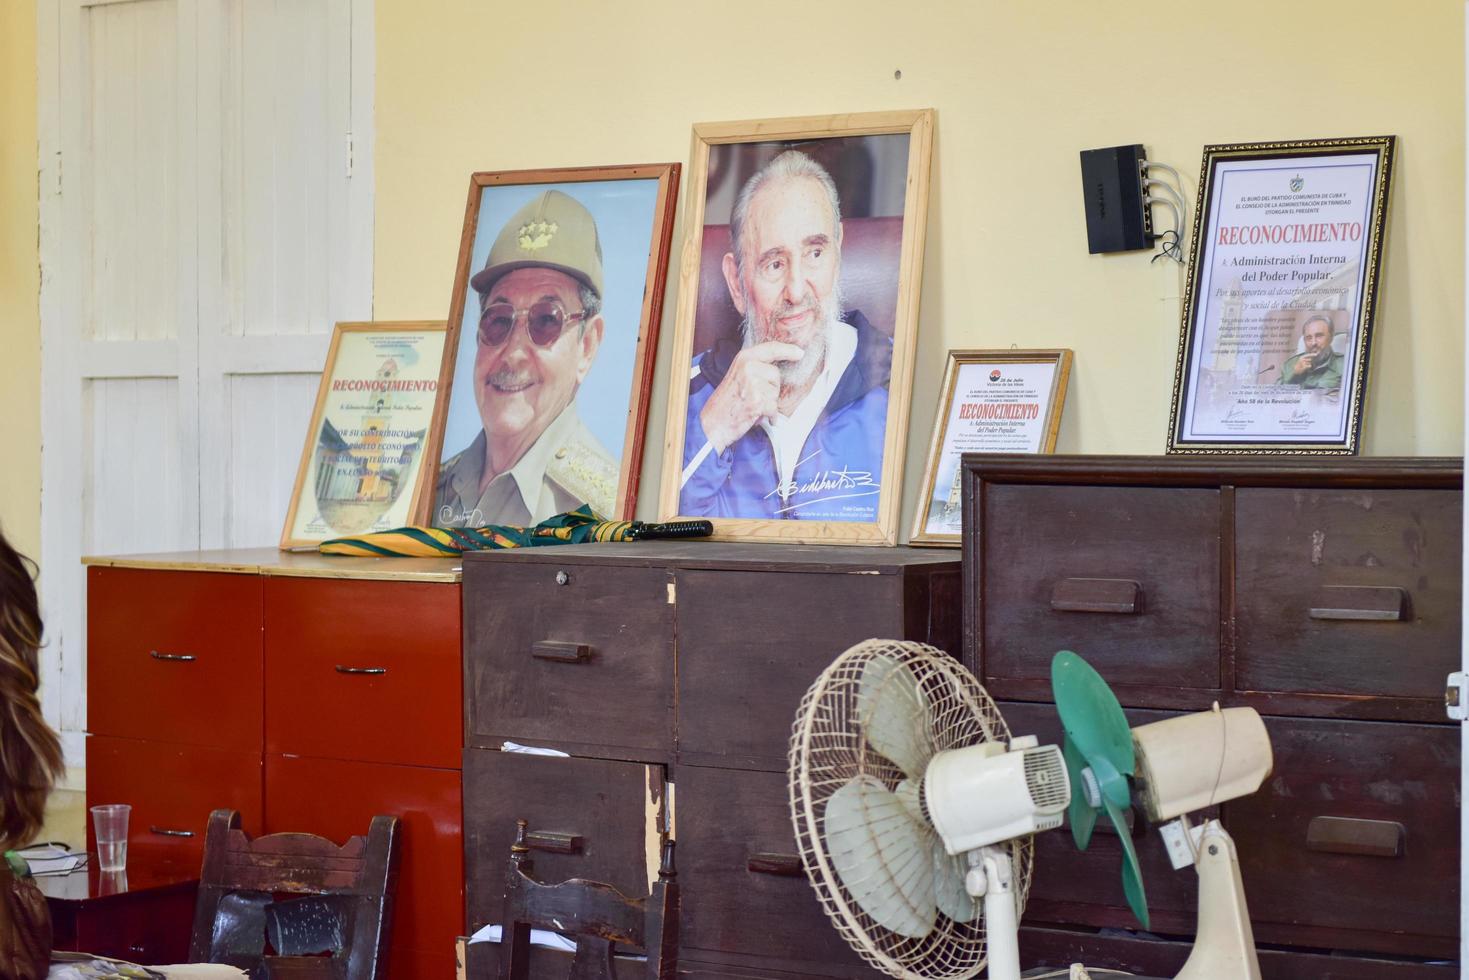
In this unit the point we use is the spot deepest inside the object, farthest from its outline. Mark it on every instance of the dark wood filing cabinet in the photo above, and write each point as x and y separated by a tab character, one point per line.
1325	593
671	672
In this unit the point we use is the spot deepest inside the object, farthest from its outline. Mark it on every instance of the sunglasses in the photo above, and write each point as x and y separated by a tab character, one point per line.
544	322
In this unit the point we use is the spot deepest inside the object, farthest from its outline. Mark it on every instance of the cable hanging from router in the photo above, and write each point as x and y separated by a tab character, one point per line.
1171	197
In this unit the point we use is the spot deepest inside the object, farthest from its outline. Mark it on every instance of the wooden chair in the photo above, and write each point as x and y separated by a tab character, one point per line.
342	909
597	915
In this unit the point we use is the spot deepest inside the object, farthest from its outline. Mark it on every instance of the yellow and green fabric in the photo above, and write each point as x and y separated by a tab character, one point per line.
577	526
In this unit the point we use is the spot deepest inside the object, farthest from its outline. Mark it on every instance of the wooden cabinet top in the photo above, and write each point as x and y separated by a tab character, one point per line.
292	564
732	555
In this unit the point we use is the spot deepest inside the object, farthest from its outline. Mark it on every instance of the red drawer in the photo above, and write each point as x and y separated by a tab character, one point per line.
172	789
161	645
343	658
338	799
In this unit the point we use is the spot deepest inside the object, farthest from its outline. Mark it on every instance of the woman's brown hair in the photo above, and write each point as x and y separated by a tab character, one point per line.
30	754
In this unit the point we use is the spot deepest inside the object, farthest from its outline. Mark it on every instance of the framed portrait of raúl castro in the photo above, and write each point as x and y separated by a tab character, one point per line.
553	325
1281	301
796	326
362	468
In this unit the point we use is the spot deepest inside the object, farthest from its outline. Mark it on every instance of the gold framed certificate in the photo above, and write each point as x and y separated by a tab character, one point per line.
362	468
992	401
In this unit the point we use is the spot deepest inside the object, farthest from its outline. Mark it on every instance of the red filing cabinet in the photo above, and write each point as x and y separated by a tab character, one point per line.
309	693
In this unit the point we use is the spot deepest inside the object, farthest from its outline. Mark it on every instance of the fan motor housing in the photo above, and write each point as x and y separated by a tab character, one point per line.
984	794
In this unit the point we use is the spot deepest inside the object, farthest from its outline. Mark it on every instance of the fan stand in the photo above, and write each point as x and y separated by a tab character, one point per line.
1225	943
992	877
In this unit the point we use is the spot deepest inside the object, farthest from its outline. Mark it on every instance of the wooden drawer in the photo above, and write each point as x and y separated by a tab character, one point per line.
723	819
1058	569
1392	773
322	634
162	644
614	809
751	643
338	799
1085	887
172	789
579	657
1310	560
1153	956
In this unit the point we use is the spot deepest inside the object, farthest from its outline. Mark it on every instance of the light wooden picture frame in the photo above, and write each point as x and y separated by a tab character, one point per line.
991	401
362	467
565	423
799	433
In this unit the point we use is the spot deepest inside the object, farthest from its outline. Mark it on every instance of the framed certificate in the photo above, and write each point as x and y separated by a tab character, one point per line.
1282	292
992	401
362	468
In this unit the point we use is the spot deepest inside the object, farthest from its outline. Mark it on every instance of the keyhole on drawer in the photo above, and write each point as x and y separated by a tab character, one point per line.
562	578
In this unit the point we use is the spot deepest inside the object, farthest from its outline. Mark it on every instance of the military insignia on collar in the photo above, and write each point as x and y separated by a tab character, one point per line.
536	235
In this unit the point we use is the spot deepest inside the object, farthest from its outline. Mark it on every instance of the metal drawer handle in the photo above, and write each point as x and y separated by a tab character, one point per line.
1380	603
1097	595
565	653
177	657
1350	835
554	842
343	669
165	832
784	865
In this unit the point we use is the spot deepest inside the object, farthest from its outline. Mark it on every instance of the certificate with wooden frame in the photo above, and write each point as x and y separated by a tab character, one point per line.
796	326
992	401
553	326
362	468
1283	279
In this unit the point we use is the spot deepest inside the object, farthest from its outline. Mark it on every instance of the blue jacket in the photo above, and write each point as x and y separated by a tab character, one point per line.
839	474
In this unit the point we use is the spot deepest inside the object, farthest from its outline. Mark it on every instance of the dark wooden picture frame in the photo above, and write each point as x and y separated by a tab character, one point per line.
1283	278
646	214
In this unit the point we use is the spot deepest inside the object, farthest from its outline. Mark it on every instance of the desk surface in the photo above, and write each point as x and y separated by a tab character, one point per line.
293	564
88	885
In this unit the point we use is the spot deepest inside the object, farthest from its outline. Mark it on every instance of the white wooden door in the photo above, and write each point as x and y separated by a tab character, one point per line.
206	217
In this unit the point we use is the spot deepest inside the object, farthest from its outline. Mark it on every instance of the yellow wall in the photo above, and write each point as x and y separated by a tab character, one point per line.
20	282
1020	87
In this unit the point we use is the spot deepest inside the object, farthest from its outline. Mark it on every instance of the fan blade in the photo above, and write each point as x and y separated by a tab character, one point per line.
953	898
893	712
1080	813
1132	872
1094	721
883	855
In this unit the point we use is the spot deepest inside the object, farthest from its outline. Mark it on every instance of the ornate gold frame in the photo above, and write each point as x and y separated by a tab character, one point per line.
1384	147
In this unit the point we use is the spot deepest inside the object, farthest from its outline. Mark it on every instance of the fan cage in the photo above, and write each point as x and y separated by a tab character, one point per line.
828	749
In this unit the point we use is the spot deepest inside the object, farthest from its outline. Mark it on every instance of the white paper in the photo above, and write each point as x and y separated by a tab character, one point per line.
532	750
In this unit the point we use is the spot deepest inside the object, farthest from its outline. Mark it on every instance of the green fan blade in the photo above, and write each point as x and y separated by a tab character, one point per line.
1094	720
1132	872
1081	814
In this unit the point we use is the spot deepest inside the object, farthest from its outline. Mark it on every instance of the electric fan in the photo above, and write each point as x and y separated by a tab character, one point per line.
910	800
1167	770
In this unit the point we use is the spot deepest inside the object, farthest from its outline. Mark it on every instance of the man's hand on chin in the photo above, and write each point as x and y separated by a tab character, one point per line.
749	392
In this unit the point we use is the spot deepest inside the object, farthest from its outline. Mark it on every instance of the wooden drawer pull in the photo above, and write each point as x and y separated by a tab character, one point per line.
785	865
182	658
374	671
1348	835
566	653
1097	595
1360	602
165	832
553	842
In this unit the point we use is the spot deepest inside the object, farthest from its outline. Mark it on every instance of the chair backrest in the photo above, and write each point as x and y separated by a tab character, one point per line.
343	903
597	915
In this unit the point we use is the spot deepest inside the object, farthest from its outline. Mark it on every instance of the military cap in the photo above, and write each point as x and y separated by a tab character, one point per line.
553	230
